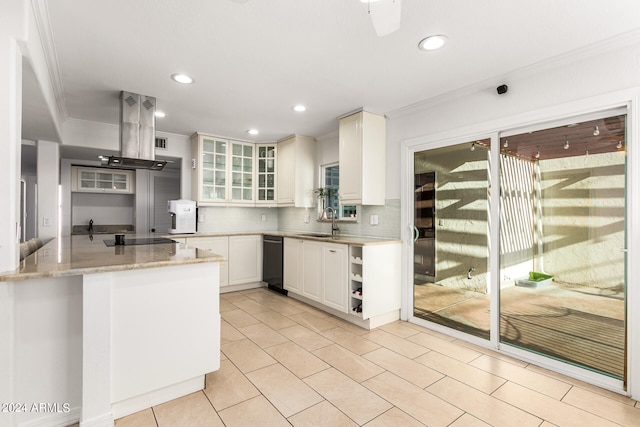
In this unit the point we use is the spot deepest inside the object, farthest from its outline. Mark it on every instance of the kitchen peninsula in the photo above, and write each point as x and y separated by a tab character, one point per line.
102	332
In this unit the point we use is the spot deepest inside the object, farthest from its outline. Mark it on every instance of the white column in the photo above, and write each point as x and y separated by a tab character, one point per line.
10	132
96	351
48	164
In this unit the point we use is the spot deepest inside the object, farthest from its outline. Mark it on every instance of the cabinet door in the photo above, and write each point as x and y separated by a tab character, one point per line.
350	153
241	171
335	271
312	270
245	259
266	173
101	180
213	186
291	269
217	245
286	171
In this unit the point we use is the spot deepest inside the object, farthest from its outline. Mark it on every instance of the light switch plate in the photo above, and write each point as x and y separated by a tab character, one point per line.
263	217
307	219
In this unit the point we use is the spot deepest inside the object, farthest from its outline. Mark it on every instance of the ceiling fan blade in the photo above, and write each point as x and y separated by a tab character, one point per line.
385	16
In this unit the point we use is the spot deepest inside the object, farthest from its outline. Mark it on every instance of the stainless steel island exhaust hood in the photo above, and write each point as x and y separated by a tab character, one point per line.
137	133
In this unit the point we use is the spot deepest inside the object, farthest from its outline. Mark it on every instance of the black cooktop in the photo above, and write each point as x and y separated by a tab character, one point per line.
139	241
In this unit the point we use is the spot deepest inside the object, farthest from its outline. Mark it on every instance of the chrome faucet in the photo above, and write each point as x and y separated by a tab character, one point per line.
334	224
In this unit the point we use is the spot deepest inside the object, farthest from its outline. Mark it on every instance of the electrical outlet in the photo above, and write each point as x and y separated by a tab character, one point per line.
373	219
46	222
263	217
307	218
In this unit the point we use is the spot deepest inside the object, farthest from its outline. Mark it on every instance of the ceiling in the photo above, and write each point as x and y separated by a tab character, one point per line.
253	60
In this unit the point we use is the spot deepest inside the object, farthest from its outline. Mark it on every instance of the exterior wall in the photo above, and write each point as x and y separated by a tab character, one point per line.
517	219
583	220
461	214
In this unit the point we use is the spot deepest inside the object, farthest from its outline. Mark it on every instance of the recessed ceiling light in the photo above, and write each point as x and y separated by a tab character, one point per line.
299	108
182	78
160	114
432	42
253	131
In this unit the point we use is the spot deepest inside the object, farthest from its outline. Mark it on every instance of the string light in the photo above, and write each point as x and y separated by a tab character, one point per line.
566	144
596	131
473	146
538	153
619	145
506	143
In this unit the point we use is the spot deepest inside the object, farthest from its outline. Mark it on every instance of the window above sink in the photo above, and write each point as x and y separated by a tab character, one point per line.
330	180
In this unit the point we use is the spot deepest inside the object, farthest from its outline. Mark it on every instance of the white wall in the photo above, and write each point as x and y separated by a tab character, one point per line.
48	171
104	209
602	69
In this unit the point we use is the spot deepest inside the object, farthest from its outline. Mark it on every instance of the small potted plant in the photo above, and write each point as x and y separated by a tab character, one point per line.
322	194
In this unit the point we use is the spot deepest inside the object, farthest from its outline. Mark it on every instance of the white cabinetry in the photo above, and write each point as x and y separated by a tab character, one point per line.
317	271
218	245
243	255
335	272
266	165
223	171
311	271
245	259
374	277
101	180
362	153
291	265
296	171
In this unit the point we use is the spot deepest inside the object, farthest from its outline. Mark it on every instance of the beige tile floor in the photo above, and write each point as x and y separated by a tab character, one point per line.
286	363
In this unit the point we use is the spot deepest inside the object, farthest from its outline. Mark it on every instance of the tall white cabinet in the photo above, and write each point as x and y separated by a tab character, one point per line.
296	171
362	154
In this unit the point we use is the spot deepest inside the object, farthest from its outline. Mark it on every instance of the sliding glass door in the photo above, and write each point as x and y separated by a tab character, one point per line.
562	240
557	290
450	245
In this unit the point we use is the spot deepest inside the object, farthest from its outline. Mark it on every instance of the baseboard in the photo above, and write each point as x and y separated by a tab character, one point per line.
372	323
156	397
57	419
242	287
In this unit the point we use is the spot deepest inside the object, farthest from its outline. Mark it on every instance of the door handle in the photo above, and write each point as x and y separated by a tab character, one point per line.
416	233
332	251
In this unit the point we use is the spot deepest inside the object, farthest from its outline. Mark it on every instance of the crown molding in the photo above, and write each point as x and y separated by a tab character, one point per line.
43	24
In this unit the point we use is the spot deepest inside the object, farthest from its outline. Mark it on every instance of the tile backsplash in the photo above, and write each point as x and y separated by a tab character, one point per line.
293	219
234	219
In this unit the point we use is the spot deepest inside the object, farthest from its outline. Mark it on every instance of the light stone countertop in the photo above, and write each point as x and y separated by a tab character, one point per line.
344	239
78	255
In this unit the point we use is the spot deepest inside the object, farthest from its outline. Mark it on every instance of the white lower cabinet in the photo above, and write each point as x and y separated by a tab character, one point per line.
245	259
218	245
318	271
312	270
374	282
243	254
291	265
335	272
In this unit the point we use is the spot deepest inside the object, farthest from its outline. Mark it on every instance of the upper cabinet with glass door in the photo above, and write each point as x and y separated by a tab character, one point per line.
266	173
222	171
101	180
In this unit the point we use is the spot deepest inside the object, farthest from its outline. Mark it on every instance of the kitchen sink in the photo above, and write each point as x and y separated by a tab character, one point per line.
315	235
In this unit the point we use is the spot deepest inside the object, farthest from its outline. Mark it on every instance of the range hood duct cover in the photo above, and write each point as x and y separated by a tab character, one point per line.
137	133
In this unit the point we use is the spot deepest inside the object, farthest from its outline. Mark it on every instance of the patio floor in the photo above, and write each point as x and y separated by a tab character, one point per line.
570	324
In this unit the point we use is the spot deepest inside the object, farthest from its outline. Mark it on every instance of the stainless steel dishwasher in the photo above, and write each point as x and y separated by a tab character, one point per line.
272	263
